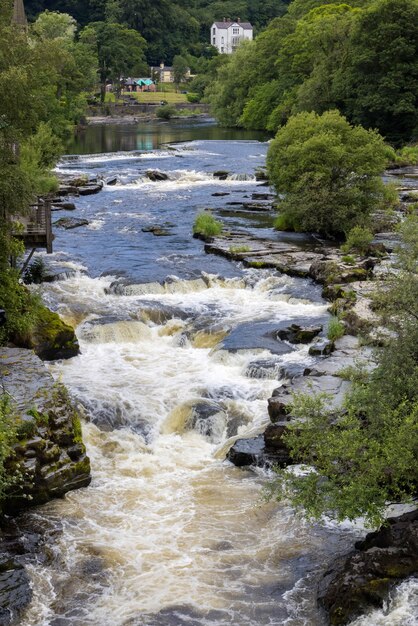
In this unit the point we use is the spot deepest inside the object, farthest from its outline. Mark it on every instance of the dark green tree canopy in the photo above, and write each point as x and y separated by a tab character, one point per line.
329	172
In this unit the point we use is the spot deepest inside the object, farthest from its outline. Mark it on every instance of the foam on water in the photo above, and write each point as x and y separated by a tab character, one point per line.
167	527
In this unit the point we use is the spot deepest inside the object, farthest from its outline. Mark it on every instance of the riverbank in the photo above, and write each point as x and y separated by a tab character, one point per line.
361	581
129	114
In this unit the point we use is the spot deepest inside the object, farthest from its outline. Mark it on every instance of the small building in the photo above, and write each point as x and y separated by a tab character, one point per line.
165	74
226	36
137	85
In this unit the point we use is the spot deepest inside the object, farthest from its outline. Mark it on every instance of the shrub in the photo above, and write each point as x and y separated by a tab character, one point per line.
205	224
35	273
336	329
193	98
329	172
359	239
283	222
408	155
350	260
8	437
166	111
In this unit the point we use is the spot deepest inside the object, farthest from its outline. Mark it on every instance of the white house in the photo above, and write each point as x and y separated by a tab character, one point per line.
227	35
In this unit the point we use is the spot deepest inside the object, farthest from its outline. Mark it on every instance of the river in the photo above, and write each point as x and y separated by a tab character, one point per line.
176	362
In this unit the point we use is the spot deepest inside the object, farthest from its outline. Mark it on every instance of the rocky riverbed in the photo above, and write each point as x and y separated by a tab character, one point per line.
50	459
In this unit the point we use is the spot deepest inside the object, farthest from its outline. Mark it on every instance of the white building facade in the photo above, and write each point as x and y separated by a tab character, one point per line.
227	35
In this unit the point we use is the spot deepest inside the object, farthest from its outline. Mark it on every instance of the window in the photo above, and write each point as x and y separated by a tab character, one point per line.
214	41
235	31
214	31
222	49
222	40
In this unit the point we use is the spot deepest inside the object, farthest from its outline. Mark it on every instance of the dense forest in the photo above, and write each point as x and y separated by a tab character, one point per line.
169	26
360	57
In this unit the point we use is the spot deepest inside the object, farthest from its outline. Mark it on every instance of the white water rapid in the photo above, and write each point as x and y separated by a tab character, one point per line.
168	532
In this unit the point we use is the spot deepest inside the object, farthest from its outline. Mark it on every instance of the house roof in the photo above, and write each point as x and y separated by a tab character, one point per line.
244	25
138	81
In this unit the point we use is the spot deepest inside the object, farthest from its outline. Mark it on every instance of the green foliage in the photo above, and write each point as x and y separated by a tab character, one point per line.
336	329
350	260
8	437
35	273
166	111
53	25
120	51
205	224
359	459
193	98
180	69
359	239
408	155
329	172
171	27
283	222
239	249
379	84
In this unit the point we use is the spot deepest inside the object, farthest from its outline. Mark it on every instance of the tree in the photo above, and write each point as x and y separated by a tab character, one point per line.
379	84
361	458
120	50
329	171
52	25
180	69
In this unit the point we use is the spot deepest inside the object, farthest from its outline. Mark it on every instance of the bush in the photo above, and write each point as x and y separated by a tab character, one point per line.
408	155
193	98
329	172
205	224
166	111
336	329
359	239
8	437
35	273
283	222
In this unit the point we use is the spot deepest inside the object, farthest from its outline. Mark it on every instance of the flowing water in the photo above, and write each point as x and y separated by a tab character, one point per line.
178	358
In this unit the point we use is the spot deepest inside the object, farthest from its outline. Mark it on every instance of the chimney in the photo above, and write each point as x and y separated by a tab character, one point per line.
162	65
224	20
19	15
238	20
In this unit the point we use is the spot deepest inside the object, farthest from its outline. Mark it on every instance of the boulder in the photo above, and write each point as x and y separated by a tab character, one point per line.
63	206
321	346
280	404
361	581
158	231
15	590
50	338
49	453
220	194
299	334
156	175
90	190
266	450
70	222
221	174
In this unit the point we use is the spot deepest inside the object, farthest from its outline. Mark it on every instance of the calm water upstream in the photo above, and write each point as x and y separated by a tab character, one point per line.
172	370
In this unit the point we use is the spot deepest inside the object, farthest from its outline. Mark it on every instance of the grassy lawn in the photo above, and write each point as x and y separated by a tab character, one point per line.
151	97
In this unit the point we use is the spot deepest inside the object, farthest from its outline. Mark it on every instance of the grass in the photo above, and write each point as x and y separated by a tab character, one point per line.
155	97
238	249
205	224
336	329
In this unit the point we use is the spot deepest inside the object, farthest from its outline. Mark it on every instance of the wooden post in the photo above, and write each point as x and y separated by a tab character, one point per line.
48	225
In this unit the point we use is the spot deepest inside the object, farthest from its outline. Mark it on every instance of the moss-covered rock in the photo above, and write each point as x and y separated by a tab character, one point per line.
49	455
362	580
51	338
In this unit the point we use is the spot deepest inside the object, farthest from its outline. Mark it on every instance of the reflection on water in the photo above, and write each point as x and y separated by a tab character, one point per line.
150	135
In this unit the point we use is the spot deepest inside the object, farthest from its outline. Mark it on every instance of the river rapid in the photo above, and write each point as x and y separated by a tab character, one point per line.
177	360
